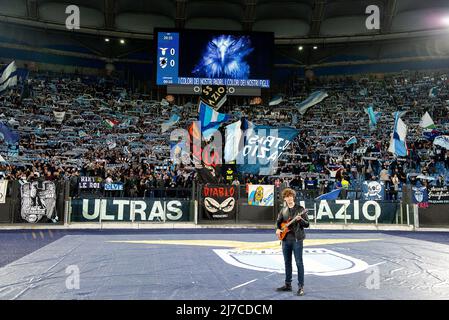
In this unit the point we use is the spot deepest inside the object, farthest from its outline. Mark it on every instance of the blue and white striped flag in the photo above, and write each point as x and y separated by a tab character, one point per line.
8	77
210	120
313	99
398	145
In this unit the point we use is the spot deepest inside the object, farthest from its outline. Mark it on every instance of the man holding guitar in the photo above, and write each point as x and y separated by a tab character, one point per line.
290	226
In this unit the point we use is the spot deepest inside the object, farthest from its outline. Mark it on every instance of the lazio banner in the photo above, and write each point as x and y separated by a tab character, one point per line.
263	146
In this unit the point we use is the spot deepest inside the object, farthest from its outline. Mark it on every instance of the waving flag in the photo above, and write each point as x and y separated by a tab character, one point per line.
174	119
233	137
263	146
276	100
313	99
431	135
111	123
373	116
333	195
351	140
210	120
398	145
8	77
442	141
427	122
9	136
433	92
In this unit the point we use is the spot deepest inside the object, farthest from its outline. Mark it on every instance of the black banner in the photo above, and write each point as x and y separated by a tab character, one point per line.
40	202
356	211
438	195
88	183
436	215
121	209
214	95
219	202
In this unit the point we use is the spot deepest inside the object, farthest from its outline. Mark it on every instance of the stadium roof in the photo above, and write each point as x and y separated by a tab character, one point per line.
290	20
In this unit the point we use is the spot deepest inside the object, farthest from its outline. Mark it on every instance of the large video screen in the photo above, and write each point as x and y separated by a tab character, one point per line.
204	57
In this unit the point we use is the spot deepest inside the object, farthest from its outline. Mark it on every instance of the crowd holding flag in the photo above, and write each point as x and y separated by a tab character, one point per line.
351	140
427	122
333	195
442	141
174	119
10	136
276	100
210	120
8	77
433	92
373	116
398	144
111	123
313	99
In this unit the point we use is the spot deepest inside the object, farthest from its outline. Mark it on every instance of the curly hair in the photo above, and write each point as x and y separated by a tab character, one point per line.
287	192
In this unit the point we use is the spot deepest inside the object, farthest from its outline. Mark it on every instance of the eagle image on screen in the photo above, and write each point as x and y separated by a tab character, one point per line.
225	57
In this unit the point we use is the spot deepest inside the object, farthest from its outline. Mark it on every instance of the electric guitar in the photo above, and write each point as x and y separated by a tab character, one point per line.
285	225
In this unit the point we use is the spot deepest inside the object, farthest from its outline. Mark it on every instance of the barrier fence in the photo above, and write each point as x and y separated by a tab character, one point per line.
47	202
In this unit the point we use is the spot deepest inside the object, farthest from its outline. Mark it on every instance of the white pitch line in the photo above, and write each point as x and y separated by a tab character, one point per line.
243	284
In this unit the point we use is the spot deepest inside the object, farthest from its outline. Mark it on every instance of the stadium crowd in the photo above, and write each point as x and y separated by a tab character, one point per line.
104	131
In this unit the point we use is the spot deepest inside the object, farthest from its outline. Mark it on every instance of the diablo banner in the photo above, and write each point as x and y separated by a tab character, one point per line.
219	202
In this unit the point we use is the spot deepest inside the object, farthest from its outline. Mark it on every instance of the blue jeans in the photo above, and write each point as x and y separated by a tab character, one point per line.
289	247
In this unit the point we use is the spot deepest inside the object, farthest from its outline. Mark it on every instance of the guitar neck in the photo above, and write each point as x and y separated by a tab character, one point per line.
294	219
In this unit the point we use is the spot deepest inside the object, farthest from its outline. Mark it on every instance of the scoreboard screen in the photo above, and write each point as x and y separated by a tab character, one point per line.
203	57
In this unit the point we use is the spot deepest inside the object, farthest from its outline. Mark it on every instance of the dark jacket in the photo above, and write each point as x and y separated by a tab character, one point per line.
297	227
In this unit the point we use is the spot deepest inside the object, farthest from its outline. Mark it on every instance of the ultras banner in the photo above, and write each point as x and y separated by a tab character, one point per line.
127	210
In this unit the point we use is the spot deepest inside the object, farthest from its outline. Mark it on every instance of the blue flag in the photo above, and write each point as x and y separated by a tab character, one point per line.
9	136
313	99
210	120
263	146
333	195
420	195
352	140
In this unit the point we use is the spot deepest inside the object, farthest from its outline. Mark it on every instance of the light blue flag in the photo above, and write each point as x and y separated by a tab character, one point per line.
210	120
313	99
433	92
351	140
333	195
170	122
373	116
8	77
276	100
